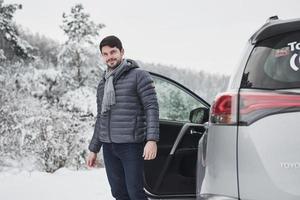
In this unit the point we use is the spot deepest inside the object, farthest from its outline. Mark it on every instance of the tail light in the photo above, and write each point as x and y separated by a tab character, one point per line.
224	109
252	106
257	105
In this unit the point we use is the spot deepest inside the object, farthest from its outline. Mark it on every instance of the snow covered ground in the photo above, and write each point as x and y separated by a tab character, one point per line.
64	184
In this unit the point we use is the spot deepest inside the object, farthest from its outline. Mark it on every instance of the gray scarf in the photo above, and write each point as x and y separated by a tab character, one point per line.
109	97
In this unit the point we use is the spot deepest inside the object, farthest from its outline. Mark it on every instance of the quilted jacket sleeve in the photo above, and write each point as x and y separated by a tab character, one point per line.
95	144
147	95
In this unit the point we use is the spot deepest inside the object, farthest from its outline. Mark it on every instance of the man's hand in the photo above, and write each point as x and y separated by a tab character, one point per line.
91	160
150	150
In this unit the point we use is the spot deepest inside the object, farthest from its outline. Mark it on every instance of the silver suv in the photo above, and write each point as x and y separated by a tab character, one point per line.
252	147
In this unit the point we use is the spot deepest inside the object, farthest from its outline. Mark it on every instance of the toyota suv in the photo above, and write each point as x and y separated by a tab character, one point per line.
250	147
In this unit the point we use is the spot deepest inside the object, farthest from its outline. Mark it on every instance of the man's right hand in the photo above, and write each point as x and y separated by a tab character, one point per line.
91	160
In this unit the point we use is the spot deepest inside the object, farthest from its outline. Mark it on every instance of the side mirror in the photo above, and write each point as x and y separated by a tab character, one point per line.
199	115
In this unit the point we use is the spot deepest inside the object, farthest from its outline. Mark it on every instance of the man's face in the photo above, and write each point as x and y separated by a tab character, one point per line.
112	56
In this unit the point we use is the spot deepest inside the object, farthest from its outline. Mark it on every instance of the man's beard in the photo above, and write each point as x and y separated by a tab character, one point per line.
112	67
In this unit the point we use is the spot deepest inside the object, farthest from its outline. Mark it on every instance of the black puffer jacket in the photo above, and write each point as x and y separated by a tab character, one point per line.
134	117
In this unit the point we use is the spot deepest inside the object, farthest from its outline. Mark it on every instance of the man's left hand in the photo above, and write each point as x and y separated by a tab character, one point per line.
150	150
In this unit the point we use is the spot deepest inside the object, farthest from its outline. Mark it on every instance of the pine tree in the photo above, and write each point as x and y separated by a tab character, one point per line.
10	43
80	45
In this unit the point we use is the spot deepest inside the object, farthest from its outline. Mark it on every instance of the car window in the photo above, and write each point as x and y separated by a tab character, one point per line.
274	63
175	104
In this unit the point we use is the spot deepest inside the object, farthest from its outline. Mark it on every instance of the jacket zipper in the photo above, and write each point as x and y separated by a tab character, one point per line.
108	128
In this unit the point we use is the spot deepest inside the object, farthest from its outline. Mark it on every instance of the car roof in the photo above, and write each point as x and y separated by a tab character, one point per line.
275	26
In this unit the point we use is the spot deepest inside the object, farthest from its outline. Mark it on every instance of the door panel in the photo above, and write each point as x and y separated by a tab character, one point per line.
153	168
173	172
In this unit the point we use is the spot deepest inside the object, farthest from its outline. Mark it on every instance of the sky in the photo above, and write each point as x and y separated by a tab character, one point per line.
192	34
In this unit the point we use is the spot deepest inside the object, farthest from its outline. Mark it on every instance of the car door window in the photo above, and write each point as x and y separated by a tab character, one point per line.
175	103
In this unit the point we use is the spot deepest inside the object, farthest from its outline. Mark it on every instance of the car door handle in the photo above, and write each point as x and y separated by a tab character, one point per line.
193	132
181	134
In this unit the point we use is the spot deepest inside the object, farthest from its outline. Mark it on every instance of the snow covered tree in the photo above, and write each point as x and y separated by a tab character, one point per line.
10	42
46	48
80	45
176	108
36	131
2	56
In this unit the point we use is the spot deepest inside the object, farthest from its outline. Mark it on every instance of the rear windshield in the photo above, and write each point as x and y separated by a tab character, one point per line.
274	63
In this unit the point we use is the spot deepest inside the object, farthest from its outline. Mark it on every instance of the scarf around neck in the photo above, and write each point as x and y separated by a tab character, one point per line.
109	97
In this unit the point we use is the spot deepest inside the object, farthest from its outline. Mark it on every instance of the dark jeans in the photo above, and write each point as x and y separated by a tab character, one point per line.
124	166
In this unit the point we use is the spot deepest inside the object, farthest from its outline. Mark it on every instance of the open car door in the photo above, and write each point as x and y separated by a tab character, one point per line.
172	174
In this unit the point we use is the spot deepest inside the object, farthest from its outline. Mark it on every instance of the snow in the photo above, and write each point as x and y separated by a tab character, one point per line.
62	185
2	56
49	74
82	99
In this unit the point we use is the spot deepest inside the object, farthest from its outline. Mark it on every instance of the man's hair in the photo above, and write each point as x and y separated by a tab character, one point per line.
111	41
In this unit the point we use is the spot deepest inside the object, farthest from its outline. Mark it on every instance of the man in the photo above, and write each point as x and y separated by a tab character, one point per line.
127	118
